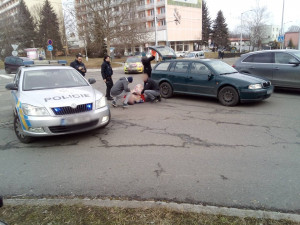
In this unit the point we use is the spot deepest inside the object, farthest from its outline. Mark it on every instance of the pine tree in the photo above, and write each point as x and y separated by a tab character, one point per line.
220	32
49	28
24	31
206	23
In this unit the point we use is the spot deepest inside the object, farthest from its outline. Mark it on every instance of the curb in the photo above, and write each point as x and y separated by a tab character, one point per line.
242	213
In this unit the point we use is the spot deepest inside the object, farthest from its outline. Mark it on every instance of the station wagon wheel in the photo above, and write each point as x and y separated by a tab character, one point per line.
166	90
19	131
8	71
228	96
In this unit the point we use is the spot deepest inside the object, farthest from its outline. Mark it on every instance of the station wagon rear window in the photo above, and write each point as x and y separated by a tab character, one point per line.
163	66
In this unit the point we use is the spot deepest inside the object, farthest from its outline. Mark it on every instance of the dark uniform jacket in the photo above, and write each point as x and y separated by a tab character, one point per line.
147	64
106	71
76	65
150	85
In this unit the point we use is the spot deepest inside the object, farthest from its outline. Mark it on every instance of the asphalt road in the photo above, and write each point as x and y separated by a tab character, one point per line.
184	149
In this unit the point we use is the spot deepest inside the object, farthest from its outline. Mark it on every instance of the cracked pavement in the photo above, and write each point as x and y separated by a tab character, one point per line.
184	149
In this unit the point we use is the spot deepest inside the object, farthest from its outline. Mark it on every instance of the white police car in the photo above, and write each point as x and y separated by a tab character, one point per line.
55	100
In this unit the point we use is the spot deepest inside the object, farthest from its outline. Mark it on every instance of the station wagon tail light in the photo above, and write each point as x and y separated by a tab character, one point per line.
31	110
255	86
233	66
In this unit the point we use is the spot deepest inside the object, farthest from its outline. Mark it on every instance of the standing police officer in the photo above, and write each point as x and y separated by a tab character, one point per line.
79	65
107	72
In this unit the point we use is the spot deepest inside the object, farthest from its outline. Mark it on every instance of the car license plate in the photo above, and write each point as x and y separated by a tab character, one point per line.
270	91
74	120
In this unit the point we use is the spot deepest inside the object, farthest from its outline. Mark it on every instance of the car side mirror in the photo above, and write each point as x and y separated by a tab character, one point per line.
11	86
92	80
210	76
294	62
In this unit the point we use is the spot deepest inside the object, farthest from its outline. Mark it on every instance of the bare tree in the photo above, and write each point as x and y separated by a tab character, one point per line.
115	21
294	28
255	25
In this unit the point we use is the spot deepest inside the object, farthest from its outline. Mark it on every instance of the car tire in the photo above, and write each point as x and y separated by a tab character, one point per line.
228	96
166	90
8	71
20	133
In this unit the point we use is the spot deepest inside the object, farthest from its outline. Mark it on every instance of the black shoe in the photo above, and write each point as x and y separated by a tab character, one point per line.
114	104
159	98
125	105
110	98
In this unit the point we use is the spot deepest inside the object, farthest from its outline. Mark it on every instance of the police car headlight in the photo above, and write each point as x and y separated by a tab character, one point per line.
100	103
31	110
255	86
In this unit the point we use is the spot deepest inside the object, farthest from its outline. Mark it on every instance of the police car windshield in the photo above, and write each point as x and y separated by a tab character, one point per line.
133	60
52	78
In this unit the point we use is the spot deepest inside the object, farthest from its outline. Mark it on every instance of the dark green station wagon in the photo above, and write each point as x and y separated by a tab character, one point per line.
206	77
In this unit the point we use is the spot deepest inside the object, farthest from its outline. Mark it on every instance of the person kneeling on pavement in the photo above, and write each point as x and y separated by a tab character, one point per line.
120	90
151	89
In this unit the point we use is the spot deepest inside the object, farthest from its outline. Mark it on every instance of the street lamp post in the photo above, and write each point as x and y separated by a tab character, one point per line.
155	22
241	38
281	43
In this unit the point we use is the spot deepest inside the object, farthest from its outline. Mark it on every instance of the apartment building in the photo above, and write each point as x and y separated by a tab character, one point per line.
10	7
178	22
271	33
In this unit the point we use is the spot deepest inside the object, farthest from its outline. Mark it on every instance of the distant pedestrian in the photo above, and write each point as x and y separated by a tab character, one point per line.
120	90
151	89
147	62
107	72
222	53
78	65
219	54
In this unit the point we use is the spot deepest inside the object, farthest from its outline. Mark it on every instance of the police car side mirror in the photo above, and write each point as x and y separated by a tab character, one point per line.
11	86
92	80
294	62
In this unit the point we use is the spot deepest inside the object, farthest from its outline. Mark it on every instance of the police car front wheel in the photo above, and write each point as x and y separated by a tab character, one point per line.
19	131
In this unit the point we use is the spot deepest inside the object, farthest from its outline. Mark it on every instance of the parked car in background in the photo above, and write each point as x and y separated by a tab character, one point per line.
55	100
212	78
181	54
133	65
196	55
12	63
281	67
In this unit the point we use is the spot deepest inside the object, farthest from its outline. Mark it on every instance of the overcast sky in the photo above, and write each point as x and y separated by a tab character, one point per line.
232	10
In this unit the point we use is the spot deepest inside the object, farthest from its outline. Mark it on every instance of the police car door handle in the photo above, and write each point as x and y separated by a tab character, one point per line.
276	68
191	78
252	67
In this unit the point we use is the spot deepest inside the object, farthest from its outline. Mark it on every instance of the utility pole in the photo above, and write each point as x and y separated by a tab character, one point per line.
282	18
155	23
241	38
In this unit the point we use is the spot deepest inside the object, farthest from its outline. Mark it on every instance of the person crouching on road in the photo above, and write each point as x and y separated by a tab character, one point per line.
151	89
147	62
120	90
107	72
78	65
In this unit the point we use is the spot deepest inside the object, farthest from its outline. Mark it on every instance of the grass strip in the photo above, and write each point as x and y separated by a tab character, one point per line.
80	214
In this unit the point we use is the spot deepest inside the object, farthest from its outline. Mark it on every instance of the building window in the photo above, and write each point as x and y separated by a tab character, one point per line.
152	12
163	22
162	10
